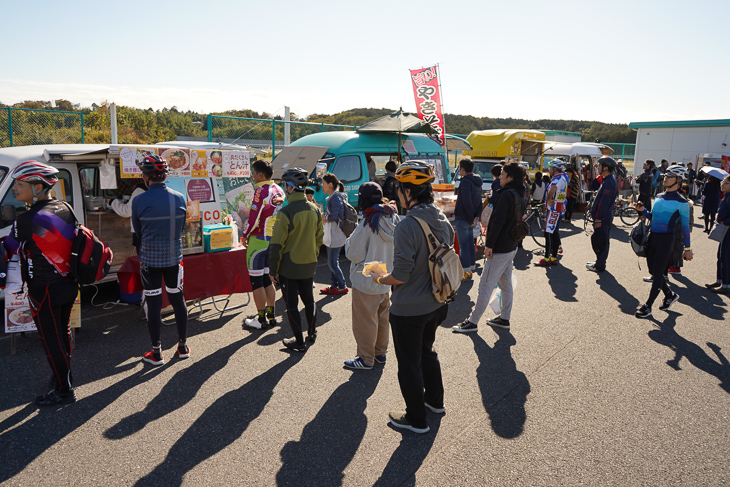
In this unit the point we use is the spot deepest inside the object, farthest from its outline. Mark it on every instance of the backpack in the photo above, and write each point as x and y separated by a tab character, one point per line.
444	264
90	257
521	228
639	238
348	224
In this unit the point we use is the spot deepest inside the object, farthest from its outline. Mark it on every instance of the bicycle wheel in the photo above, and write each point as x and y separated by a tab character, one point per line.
629	216
537	229
588	222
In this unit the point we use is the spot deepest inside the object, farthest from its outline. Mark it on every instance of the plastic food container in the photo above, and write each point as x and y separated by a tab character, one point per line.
217	238
94	203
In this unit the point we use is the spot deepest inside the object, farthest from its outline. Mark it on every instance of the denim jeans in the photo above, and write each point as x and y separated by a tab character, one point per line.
467	253
337	278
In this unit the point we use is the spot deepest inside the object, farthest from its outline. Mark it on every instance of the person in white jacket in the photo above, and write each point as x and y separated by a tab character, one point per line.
124	209
372	241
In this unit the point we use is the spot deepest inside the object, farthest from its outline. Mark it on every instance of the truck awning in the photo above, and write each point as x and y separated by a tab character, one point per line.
305	156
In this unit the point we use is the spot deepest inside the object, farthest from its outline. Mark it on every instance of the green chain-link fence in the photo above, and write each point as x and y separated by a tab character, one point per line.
262	133
20	126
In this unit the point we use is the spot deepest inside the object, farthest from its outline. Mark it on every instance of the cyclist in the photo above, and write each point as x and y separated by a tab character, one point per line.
295	243
556	204
43	238
669	208
257	232
602	213
160	253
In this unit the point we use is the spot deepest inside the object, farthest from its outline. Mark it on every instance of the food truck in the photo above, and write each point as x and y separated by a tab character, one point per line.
216	182
345	154
490	147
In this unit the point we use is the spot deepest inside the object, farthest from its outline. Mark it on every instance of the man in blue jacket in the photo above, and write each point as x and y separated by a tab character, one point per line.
467	212
602	213
158	217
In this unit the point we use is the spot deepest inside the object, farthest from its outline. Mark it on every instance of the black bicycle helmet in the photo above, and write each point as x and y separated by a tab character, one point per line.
296	177
608	162
153	165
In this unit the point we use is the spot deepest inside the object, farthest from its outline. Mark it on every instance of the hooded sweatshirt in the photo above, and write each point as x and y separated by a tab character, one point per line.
469	202
503	218
410	261
365	246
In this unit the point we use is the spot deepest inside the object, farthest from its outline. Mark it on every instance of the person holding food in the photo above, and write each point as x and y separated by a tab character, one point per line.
43	237
372	241
257	233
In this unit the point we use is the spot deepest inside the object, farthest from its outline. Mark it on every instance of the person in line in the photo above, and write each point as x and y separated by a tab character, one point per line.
467	211
602	213
500	252
257	232
573	192
309	192
669	208
537	189
495	187
645	183
722	284
711	201
676	263
415	314
124	208
691	176
294	249
334	238
372	241
555	204
158	217
371	169
43	237
390	185
656	183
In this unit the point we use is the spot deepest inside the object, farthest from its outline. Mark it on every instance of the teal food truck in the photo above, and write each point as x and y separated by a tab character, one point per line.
345	154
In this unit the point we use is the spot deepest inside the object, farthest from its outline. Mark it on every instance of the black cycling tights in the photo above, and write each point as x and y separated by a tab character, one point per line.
154	318
292	289
658	256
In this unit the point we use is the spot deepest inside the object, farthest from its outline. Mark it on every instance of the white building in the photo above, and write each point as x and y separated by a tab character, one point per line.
682	141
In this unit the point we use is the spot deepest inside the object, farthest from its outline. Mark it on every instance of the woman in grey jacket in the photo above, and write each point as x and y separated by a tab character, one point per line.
372	241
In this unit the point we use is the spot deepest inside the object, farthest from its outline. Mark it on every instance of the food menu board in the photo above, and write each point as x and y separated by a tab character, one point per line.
18	316
130	157
178	162
220	163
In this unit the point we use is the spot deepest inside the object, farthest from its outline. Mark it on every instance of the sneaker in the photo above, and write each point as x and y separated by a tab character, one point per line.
312	337
543	263
357	364
465	327
337	291
467	276
498	322
434	409
54	398
643	312
560	249
294	345
713	285
183	351
592	267
154	357
327	290
669	301
553	261
272	322
399	420
675	270
381	359
648	279
253	323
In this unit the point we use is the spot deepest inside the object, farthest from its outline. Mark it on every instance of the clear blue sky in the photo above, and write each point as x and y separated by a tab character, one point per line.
619	61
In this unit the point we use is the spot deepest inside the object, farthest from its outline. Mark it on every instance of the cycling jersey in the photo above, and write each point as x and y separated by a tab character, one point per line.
43	237
560	183
262	217
668	209
158	217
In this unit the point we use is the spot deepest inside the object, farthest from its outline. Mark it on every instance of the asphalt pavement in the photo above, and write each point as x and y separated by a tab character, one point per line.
579	391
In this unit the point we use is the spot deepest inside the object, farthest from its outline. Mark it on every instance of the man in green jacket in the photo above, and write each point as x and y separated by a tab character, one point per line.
295	244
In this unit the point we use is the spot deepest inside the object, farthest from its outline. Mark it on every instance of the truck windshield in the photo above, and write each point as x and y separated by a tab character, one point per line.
482	168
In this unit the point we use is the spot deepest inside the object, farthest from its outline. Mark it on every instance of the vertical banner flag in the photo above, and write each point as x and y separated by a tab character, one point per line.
428	100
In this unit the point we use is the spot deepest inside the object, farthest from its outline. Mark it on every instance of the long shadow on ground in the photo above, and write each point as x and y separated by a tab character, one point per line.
666	335
627	303
330	441
407	459
219	426
504	388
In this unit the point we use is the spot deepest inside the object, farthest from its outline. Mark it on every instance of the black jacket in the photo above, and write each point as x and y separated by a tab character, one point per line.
503	218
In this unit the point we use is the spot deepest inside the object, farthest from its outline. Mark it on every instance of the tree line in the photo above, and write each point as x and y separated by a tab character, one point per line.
147	126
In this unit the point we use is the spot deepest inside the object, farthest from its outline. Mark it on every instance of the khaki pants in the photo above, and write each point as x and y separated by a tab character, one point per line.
370	324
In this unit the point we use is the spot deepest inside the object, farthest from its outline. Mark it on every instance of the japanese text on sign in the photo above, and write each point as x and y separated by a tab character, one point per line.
428	100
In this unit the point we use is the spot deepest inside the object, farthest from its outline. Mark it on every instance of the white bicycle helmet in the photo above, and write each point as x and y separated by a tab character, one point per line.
677	170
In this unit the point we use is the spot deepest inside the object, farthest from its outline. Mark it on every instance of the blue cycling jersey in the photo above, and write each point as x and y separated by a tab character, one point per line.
668	209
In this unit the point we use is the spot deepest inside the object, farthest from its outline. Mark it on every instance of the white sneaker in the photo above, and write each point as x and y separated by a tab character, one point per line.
253	323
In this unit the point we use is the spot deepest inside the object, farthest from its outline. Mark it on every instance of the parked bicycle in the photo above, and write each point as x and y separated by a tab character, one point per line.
535	218
623	208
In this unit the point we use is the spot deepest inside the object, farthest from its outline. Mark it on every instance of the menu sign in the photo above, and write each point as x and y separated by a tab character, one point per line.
178	162
236	164
130	157
18	316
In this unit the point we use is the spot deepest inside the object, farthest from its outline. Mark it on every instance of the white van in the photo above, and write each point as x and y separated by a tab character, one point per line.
80	168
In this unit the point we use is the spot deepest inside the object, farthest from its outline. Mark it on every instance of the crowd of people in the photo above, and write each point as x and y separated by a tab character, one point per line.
285	231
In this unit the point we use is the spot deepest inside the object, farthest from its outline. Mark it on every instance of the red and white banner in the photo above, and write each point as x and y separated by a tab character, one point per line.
428	100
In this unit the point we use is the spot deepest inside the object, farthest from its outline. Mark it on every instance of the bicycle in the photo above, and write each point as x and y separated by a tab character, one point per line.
535	218
623	209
